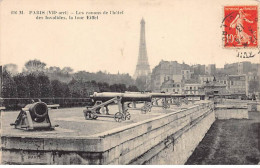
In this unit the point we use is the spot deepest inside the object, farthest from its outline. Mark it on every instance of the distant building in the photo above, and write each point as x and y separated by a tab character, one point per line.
231	69
255	68
171	86
215	88
166	70
253	83
198	69
210	69
222	80
241	68
192	88
205	78
177	78
244	67
253	76
186	74
238	85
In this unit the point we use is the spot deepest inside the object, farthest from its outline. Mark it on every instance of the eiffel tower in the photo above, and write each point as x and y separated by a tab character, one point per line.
142	67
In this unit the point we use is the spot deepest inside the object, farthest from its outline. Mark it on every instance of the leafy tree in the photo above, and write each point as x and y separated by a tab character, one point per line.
80	88
103	87
44	86
67	70
12	69
54	69
118	88
22	86
33	91
9	86
132	88
66	90
9	91
34	66
104	77
57	88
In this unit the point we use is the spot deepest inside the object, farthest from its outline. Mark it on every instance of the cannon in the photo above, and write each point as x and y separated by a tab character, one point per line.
103	100
127	99
147	106
34	117
164	97
173	99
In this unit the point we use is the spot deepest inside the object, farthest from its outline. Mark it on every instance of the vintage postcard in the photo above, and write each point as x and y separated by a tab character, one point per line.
111	82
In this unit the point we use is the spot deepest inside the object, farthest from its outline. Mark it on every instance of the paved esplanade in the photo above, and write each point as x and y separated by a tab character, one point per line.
72	122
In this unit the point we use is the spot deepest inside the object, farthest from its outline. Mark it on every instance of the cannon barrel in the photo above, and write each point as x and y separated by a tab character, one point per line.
105	96
163	95
37	110
170	95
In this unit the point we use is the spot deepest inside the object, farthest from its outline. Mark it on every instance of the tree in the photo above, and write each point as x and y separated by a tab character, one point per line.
12	69
44	86
54	69
132	88
22	86
55	73
82	89
33	86
34	66
103	87
9	86
66	90
67	70
118	88
9	91
57	88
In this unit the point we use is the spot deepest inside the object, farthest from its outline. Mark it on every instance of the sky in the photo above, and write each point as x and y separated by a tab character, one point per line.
178	30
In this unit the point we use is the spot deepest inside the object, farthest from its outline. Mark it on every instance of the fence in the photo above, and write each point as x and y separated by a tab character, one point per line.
18	103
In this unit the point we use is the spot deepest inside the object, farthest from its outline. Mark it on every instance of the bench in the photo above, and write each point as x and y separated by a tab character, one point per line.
2	108
53	106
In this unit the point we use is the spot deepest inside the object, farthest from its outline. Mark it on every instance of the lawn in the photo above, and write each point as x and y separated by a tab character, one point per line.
234	141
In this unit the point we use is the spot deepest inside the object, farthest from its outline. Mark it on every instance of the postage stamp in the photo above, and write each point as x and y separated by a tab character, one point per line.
240	26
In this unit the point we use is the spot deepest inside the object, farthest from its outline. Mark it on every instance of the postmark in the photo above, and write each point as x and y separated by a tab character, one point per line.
240	26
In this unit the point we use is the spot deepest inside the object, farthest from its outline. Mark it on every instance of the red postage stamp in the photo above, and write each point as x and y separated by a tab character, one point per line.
240	26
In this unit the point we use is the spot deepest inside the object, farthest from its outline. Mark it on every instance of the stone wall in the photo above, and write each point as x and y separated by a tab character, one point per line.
228	113
166	139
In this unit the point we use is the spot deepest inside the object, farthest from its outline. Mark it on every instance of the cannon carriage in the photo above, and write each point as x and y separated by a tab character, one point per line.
34	117
103	100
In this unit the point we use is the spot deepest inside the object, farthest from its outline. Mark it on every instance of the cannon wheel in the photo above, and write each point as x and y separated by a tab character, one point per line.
149	107
94	116
89	115
186	101
166	106
178	103
129	105
119	117
143	110
127	116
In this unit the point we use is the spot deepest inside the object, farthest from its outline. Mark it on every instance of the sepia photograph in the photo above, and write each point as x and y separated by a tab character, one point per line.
134	82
